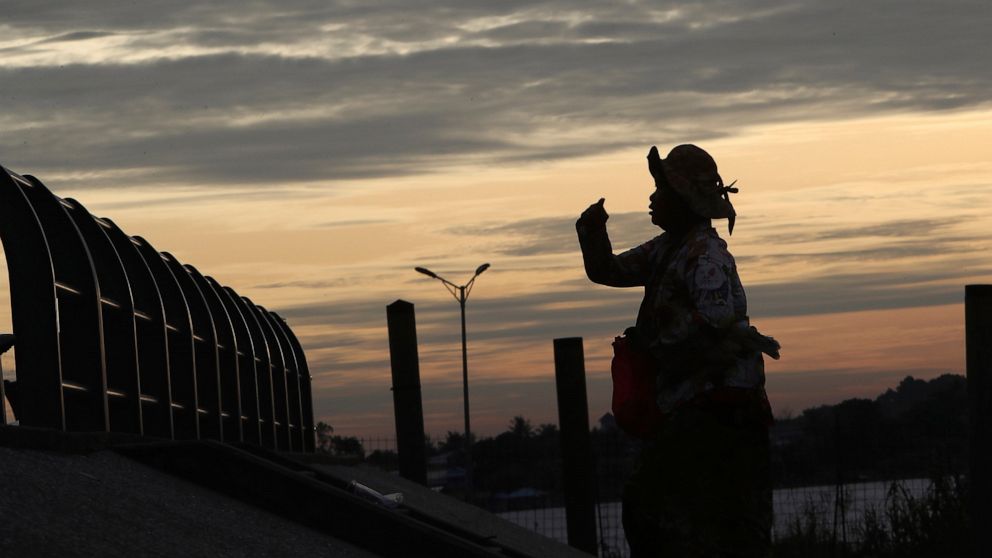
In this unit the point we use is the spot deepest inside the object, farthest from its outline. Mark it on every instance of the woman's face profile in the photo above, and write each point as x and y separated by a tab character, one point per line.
664	206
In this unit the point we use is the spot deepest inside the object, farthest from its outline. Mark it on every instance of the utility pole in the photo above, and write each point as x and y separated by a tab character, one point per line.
461	292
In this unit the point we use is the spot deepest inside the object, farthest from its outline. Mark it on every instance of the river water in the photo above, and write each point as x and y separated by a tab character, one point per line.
790	505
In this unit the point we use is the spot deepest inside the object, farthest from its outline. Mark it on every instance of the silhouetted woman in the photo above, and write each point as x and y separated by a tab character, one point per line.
701	485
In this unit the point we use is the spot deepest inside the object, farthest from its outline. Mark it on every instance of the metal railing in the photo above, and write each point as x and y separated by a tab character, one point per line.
115	336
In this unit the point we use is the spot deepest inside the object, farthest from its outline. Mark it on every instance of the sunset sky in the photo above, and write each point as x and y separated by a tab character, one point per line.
311	153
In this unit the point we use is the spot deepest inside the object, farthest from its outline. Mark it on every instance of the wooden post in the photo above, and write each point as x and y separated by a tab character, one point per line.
978	342
3	399
407	405
576	444
6	343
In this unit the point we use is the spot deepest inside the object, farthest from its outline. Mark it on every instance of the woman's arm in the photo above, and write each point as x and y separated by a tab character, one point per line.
629	269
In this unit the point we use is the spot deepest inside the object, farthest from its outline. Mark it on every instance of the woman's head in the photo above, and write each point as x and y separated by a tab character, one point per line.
669	211
688	189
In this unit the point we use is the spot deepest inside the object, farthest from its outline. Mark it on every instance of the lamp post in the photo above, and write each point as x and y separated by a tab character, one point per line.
461	295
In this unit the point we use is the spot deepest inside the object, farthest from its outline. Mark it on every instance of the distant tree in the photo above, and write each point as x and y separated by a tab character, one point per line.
547	431
453	441
347	446
521	427
324	433
910	431
430	446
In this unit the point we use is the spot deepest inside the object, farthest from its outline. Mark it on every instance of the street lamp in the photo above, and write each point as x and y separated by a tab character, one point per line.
461	295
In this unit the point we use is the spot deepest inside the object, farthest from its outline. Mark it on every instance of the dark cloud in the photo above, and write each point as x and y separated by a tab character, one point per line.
353	223
553	313
364	279
304	284
76	36
556	235
300	90
194	197
853	292
892	240
884	252
901	228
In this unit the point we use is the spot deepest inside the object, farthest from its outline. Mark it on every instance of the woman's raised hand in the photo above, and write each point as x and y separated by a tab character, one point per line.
594	216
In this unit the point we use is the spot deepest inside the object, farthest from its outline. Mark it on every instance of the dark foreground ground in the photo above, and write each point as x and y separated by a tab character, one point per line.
67	495
104	504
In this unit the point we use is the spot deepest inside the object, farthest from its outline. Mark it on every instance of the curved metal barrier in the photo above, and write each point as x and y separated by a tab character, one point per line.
115	336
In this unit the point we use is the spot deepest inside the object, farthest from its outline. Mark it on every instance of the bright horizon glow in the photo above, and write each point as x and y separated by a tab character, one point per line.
281	262
310	156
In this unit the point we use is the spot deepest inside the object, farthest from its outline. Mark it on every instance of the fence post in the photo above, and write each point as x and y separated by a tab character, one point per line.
407	405
3	399
978	343
6	343
576	445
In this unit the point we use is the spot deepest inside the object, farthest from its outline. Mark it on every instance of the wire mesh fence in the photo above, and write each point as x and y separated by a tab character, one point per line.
841	482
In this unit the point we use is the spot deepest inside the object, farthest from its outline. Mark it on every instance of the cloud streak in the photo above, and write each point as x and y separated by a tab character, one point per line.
556	235
306	91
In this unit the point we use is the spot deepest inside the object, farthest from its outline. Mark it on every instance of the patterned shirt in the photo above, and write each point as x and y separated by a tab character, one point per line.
694	310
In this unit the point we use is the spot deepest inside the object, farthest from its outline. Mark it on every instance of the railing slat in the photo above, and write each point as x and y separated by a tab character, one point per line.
263	374
205	351
227	359
178	325
245	349
306	390
150	335
34	311
117	307
80	316
278	375
293	388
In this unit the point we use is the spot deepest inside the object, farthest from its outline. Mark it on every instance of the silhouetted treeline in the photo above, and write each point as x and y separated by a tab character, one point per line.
918	429
521	457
